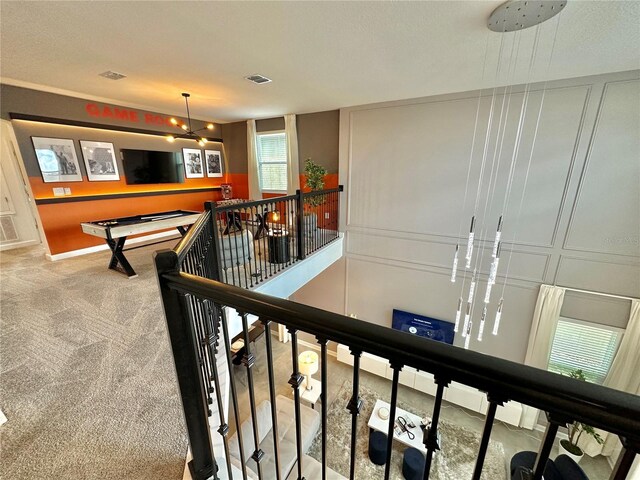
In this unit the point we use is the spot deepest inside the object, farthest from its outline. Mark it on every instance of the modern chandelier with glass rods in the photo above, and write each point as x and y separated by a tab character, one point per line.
511	16
189	133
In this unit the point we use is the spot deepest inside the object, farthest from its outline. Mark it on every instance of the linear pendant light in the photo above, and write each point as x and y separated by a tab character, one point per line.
189	133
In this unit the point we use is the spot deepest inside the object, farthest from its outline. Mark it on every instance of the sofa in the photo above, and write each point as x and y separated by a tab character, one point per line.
310	425
562	468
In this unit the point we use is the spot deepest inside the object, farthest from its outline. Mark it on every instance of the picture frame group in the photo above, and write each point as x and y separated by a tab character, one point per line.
195	165
58	161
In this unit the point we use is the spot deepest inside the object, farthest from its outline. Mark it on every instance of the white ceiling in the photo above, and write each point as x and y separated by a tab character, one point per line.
320	55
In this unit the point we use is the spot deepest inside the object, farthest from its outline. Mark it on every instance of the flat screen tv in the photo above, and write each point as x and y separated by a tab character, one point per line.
146	166
422	326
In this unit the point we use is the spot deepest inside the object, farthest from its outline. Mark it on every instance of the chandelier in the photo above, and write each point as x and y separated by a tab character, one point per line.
189	132
508	19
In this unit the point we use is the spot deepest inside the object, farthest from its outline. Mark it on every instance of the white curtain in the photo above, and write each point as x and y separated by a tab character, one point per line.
545	319
543	327
623	375
252	157
293	167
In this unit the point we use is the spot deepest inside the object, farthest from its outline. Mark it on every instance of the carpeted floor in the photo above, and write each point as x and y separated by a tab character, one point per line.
455	461
87	380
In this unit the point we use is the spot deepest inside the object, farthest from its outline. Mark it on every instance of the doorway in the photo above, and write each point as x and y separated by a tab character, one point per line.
18	224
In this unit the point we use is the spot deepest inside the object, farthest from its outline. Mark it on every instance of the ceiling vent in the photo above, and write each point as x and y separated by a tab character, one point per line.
257	78
112	75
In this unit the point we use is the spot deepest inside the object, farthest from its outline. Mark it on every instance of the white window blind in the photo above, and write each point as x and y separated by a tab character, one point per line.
586	346
272	161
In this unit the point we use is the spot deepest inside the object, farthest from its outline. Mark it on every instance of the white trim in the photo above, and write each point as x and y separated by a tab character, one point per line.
99	248
22	244
315	346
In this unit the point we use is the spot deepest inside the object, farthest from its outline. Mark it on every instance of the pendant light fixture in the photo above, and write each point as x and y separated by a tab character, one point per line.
189	133
512	16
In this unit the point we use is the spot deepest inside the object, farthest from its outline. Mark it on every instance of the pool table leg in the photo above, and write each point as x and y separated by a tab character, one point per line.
118	261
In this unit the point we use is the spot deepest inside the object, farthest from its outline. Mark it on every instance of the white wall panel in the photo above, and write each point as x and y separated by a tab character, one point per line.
607	213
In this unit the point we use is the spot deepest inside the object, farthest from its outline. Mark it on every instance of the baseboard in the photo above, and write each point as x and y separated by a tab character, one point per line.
26	243
315	346
100	248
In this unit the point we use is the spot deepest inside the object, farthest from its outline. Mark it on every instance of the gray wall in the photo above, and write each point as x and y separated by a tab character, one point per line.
404	167
317	138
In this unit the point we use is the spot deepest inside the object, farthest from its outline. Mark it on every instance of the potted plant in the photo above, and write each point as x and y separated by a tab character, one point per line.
314	180
570	446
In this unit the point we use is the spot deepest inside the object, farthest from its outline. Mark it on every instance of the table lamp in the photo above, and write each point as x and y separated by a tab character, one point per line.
308	365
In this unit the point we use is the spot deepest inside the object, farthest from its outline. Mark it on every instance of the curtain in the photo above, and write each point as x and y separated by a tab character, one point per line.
293	167
622	376
545	319
252	157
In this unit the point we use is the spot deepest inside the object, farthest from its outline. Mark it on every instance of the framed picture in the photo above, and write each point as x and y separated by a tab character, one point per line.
100	160
57	159
193	163
213	160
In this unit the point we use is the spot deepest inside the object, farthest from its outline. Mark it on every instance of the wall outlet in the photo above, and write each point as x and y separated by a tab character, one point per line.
67	191
58	192
326	215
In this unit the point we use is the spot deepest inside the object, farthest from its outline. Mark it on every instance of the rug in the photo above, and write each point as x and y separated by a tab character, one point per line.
455	461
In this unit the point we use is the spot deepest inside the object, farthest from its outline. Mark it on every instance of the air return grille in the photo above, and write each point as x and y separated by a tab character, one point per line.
257	78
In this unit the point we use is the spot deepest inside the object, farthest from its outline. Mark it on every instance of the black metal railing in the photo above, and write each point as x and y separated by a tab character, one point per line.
187	297
256	240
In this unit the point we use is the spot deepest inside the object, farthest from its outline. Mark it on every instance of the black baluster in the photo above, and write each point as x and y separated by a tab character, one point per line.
486	434
272	394
236	264
323	398
295	381
300	225
547	444
431	437
626	458
354	406
213	342
392	416
232	384
249	360
241	259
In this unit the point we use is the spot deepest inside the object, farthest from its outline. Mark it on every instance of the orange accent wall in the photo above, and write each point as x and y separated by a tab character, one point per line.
61	221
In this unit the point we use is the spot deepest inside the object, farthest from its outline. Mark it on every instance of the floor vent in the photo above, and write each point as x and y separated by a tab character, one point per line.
8	231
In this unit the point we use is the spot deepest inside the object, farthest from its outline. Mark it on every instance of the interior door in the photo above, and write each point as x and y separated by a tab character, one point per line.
18	226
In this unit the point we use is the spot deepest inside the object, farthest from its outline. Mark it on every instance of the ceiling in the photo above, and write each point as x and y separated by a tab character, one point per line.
320	55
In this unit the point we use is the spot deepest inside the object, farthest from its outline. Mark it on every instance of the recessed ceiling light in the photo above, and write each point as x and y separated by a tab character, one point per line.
257	78
112	75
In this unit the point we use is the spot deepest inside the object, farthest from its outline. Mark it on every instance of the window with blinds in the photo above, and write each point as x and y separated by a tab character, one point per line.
589	347
272	161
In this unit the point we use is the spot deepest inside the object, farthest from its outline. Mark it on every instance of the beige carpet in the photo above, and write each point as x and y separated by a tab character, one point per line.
86	375
455	461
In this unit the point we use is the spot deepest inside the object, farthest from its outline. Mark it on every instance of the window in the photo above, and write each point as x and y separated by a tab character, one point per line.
589	347
272	161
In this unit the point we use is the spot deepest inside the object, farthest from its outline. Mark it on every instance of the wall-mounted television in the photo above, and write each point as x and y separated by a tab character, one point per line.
422	326
147	166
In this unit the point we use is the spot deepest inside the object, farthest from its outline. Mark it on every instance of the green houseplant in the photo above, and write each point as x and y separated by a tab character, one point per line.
314	180
314	175
577	429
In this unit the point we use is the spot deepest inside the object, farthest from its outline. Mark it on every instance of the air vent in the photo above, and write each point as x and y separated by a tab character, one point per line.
257	78
112	75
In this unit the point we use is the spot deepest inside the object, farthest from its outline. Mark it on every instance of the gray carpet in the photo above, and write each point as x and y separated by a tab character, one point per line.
86	375
455	461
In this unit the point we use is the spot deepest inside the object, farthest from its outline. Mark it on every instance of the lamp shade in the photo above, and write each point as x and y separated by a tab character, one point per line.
308	362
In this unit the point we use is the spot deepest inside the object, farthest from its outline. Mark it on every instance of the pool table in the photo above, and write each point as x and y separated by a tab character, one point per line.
115	232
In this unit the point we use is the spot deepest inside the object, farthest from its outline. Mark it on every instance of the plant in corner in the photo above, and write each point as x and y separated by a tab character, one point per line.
577	429
314	180
314	175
